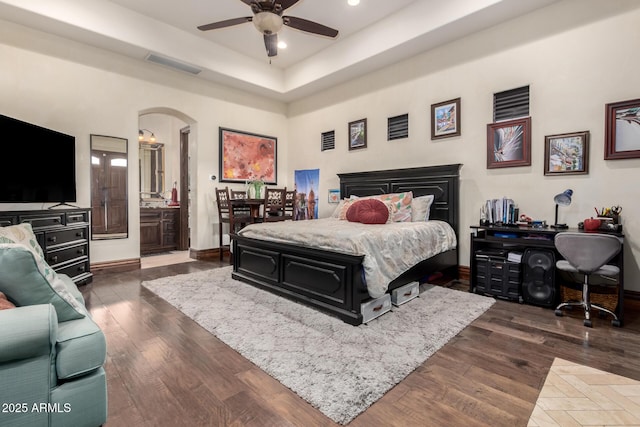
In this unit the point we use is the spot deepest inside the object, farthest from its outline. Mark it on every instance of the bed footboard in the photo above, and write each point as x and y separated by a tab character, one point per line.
330	281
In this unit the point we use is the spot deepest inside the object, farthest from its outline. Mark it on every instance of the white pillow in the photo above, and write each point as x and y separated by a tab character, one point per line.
420	207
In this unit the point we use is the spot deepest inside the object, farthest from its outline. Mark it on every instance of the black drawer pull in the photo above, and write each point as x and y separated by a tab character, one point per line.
81	251
52	239
81	268
80	234
54	258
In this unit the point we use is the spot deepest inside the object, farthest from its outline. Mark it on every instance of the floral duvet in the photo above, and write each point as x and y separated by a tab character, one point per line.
389	249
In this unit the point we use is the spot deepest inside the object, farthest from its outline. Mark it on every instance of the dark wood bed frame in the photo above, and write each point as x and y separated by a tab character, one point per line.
332	281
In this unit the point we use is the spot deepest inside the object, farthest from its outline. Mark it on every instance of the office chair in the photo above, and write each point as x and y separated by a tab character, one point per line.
587	254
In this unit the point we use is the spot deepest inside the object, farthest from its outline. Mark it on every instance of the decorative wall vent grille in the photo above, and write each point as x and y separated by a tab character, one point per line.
398	127
328	140
511	104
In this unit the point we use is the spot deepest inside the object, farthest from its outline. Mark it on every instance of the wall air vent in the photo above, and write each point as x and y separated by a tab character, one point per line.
398	127
511	104
328	140
172	63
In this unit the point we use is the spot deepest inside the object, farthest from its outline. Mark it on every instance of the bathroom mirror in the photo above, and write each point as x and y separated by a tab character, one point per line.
109	217
151	170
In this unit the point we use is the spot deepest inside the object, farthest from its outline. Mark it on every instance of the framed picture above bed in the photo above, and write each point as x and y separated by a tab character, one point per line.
566	154
509	143
445	119
622	132
247	156
358	134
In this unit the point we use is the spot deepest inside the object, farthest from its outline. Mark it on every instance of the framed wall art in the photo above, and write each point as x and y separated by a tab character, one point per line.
509	143
566	154
247	156
622	130
334	195
358	134
445	119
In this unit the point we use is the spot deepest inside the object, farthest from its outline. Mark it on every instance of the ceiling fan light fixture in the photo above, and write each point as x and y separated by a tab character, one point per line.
267	22
282	45
353	2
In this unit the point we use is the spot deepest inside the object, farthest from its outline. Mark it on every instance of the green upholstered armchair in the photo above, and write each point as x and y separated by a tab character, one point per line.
51	352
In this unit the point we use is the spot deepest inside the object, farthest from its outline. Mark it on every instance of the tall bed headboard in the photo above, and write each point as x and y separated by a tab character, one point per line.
442	181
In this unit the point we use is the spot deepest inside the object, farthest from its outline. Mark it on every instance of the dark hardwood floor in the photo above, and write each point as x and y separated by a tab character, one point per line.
165	370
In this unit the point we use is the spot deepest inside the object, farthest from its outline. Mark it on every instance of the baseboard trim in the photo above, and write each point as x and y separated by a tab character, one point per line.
206	254
115	266
464	272
634	295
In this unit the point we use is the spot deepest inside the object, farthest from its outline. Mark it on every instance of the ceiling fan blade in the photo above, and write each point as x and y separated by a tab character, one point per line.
248	2
286	4
271	43
309	26
226	23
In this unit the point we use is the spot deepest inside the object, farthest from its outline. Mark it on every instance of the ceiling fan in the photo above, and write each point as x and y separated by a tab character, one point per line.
267	18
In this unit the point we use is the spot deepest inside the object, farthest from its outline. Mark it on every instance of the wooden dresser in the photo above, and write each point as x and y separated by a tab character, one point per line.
63	235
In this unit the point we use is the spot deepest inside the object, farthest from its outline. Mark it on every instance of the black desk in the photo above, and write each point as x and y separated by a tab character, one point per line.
524	237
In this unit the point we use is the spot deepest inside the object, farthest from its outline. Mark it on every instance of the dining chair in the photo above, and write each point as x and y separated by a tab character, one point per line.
587	254
239	209
274	202
227	214
289	204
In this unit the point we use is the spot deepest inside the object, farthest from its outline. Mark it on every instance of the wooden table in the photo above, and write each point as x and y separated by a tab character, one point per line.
254	206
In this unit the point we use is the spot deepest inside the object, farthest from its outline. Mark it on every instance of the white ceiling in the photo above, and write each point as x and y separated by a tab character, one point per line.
372	35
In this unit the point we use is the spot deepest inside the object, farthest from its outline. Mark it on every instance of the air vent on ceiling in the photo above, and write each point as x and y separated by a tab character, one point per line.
172	63
398	127
328	140
511	104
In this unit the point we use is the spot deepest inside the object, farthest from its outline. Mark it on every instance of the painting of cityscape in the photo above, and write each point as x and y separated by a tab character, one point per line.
306	184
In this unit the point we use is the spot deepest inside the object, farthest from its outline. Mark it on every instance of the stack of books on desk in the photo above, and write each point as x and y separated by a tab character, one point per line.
503	211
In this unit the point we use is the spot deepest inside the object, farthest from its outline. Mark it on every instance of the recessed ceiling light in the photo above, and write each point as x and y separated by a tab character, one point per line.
353	2
282	45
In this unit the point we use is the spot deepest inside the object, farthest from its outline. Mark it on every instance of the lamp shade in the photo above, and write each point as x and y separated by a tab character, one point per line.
267	22
563	198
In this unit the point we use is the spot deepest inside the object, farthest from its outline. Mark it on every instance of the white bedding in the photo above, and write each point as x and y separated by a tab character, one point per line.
389	249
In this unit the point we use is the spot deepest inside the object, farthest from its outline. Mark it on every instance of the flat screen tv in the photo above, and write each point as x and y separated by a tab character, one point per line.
39	164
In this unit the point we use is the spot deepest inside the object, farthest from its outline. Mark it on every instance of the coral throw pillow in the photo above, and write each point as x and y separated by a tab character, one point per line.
5	303
368	211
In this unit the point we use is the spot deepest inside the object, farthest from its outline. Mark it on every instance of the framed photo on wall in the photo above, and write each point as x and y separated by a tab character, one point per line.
509	143
247	156
334	195
358	134
622	130
566	154
446	119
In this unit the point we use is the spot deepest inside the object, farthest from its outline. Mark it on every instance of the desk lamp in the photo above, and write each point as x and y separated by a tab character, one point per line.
563	199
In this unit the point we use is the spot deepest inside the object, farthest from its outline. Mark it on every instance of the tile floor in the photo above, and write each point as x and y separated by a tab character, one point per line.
576	395
173	257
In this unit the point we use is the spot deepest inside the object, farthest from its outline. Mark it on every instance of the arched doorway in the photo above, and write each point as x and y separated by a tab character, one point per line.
164	167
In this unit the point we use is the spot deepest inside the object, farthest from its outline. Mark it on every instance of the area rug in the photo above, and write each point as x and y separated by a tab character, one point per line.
338	368
577	395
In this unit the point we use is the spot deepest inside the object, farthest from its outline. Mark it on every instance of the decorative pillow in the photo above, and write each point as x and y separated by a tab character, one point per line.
345	207
338	209
369	211
401	203
420	208
40	284
5	303
22	234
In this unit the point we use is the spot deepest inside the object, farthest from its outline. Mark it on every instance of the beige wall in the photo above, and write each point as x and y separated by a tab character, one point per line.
576	56
82	91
